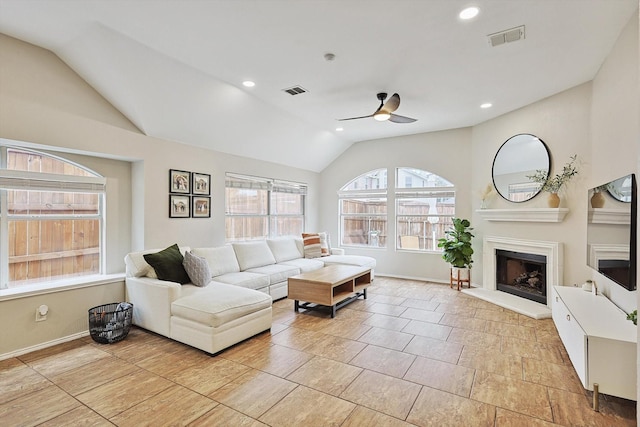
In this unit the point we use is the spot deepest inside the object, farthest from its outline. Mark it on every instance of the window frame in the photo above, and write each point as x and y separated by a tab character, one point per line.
16	179
272	187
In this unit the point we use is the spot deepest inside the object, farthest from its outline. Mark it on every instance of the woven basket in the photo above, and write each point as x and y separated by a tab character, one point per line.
110	323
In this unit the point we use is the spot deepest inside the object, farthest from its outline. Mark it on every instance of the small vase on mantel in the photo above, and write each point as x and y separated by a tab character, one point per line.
554	200
597	200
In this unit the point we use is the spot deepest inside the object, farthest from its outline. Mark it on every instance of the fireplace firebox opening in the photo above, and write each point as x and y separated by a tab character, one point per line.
522	274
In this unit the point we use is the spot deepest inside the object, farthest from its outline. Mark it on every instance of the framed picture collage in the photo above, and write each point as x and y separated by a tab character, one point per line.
189	194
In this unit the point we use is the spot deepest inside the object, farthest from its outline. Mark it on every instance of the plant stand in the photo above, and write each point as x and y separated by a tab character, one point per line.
455	277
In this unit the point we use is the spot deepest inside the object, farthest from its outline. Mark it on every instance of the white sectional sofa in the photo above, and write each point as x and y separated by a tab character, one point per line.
236	303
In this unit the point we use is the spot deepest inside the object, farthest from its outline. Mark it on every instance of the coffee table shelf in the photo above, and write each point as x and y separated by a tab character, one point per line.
331	287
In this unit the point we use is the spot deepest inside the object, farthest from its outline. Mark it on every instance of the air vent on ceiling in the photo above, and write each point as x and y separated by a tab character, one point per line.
295	90
506	36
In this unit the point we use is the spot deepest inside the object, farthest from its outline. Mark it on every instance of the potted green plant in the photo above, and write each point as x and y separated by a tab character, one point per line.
552	185
456	247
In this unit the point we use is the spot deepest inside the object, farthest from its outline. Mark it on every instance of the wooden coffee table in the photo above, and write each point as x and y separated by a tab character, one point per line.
332	287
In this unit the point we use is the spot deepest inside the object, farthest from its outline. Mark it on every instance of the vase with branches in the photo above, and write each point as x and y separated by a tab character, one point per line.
554	184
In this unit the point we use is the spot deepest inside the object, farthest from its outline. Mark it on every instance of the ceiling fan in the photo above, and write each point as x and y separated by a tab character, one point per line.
385	110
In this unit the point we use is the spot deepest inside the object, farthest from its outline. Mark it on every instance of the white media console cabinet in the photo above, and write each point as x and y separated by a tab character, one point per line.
601	342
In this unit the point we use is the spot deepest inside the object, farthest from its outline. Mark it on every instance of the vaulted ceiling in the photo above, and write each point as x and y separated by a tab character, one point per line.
175	67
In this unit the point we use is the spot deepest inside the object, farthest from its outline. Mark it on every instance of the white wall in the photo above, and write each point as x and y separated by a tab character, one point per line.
447	154
45	103
562	122
615	130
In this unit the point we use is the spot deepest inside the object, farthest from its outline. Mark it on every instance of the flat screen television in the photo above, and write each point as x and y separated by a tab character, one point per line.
612	230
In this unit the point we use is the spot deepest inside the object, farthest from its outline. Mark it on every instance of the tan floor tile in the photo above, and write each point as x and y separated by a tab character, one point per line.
510	330
17	379
326	375
441	375
123	393
312	320
574	409
206	378
478	358
277	360
336	348
503	316
345	329
78	417
386	338
422	315
437	408
304	406
295	338
505	418
428	329
253	393
175	406
53	351
353	315
383	393
223	416
387	299
552	375
480	339
365	417
388	309
523	397
244	350
92	375
37	407
548	337
68	359
458	310
383	360
283	315
434	349
168	365
386	322
463	322
532	349
421	304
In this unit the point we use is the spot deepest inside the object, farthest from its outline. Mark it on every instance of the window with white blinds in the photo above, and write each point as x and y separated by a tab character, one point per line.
257	208
51	218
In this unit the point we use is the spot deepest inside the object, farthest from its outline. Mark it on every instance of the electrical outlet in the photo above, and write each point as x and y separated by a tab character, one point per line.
41	313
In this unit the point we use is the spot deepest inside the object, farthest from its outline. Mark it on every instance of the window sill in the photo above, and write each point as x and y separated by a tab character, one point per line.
59	286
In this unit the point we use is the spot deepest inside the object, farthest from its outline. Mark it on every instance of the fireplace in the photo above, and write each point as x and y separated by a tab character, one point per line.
522	274
552	253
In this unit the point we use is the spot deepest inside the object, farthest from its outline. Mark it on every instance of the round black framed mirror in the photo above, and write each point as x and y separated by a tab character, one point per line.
620	189
518	157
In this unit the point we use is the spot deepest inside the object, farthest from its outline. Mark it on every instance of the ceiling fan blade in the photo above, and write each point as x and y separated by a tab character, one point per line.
401	119
355	118
392	104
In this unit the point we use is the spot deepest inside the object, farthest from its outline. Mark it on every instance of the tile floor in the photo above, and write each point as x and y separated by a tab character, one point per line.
413	353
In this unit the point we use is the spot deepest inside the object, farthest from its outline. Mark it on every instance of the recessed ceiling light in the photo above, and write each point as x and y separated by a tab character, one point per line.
248	83
469	12
339	129
486	105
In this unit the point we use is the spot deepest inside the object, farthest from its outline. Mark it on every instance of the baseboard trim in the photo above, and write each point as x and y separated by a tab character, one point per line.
43	345
421	279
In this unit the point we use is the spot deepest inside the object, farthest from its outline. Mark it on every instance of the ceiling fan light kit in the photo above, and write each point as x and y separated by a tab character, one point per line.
385	110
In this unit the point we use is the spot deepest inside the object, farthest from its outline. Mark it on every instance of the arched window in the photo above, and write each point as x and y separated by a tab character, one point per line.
363	210
425	207
51	218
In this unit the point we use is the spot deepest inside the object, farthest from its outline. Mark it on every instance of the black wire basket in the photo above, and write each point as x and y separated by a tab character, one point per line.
110	323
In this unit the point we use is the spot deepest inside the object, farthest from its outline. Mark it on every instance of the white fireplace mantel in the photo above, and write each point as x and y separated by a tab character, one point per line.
524	215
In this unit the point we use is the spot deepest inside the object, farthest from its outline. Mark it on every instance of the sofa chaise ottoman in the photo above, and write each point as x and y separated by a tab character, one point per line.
210	318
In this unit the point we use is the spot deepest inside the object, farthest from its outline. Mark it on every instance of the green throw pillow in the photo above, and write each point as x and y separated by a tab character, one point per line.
168	265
